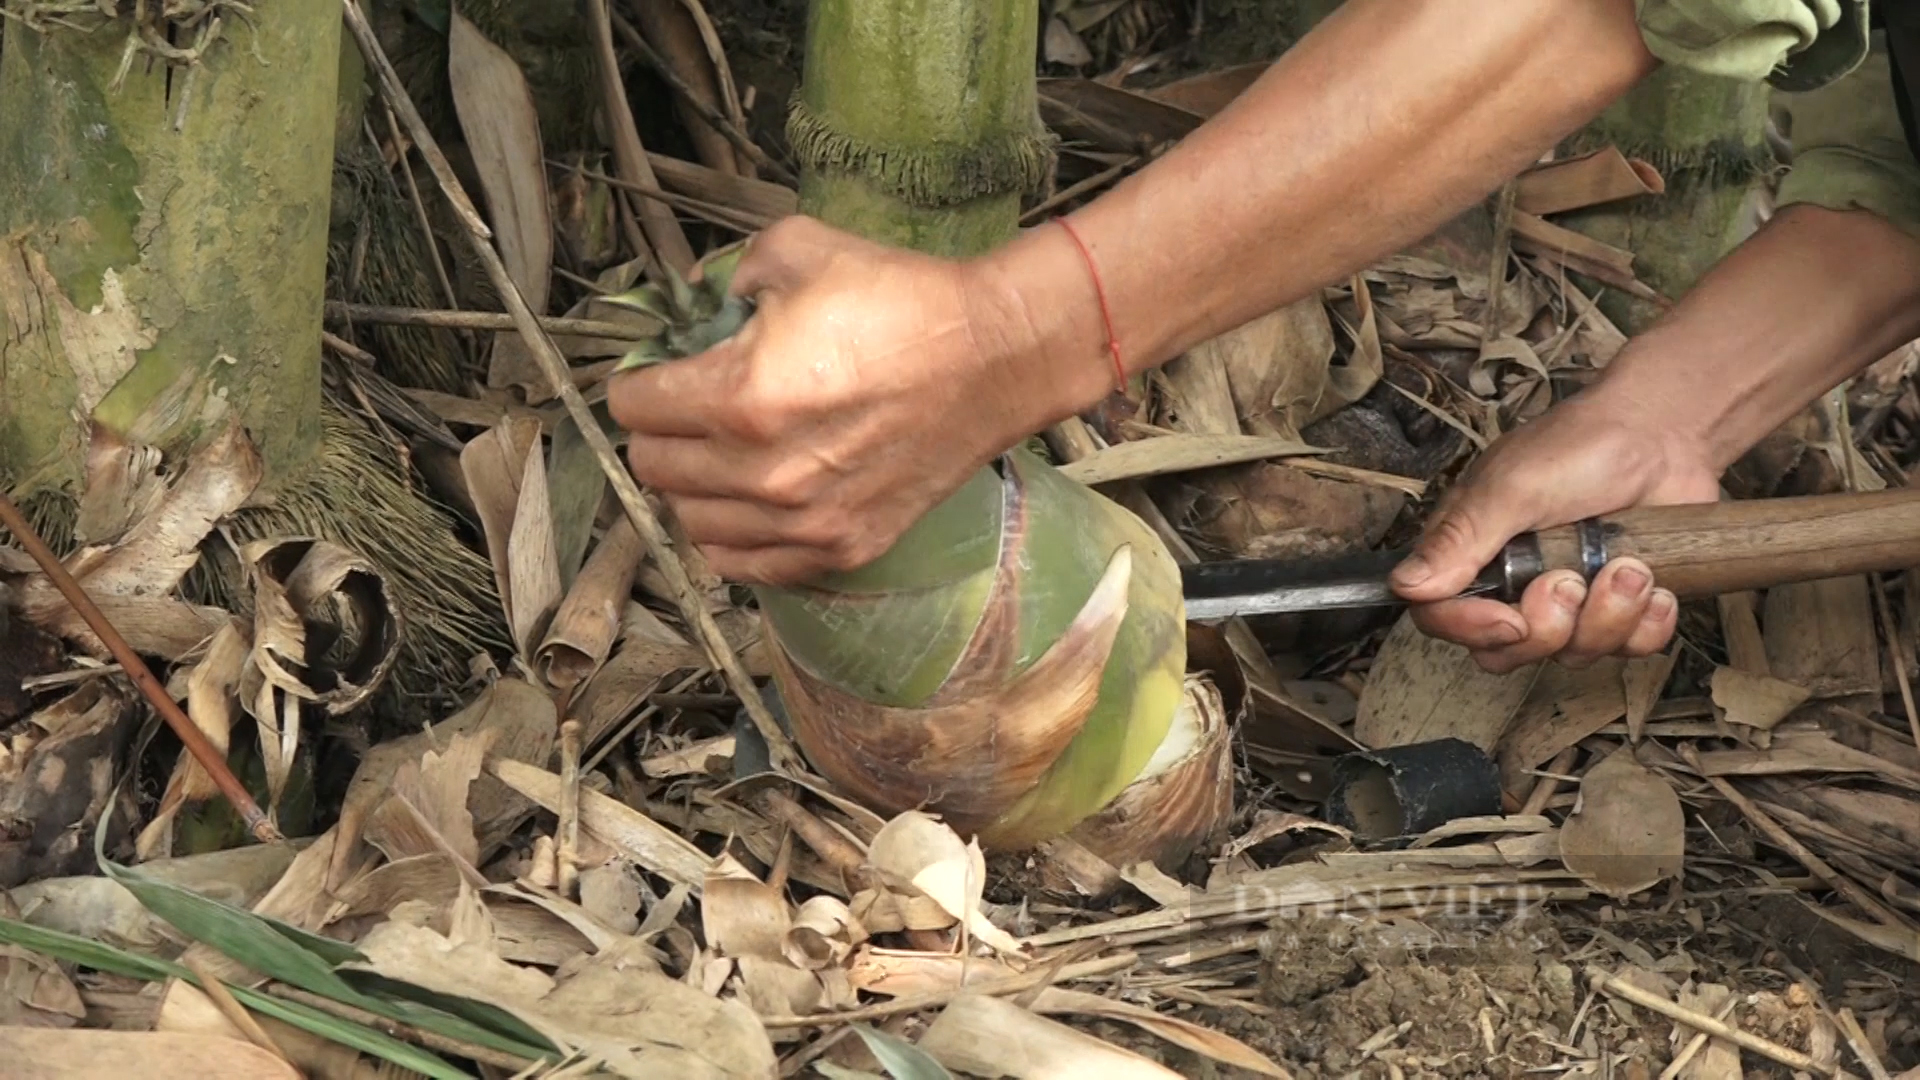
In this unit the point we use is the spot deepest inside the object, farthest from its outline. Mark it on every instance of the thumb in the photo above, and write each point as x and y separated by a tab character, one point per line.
1461	539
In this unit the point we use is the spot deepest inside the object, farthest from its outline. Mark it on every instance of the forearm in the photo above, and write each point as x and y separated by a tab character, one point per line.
1810	300
1389	119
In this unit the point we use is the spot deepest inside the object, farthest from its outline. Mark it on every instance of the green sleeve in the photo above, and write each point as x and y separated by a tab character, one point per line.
1797	44
1849	149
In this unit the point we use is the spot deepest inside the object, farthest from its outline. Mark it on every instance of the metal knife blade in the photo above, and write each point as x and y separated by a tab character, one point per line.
1236	587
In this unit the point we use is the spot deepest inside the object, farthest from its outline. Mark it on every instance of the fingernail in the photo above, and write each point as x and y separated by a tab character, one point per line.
1570	594
1630	581
1662	604
1412	571
1506	634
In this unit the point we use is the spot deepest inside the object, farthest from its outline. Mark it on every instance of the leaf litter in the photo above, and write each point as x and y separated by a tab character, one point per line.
1705	865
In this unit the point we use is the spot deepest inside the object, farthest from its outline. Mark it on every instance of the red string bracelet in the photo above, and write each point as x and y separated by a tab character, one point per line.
1106	311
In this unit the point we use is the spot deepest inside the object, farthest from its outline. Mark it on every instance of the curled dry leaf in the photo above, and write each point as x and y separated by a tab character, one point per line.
319	594
1629	832
1755	701
918	853
584	629
822	933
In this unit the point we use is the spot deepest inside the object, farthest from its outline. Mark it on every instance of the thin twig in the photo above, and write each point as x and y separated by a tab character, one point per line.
690	601
230	1008
485	1055
833	848
1700	1021
481	320
719	123
567	874
1549	782
35	683
195	741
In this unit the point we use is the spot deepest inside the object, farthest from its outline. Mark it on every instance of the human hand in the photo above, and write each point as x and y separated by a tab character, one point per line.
868	385
1594	454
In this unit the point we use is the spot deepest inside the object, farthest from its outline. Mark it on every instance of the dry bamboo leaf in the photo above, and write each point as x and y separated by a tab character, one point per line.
1112	118
1564	707
151	1055
904	974
1209	92
1645	679
533	560
1423	688
1755	701
1578	250
1629	832
636	1021
1154	883
639	838
611	893
210	699
520	723
992	1038
924	853
502	127
584	628
1603	176
35	993
494	465
1164	454
425	811
1805	753
1821	635
1182	1033
884	912
756	199
1899	940
186	1010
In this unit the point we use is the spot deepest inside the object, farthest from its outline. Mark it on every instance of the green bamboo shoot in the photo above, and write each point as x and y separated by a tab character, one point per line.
1017	661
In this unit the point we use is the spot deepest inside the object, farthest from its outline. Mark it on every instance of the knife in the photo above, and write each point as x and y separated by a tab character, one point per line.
1695	551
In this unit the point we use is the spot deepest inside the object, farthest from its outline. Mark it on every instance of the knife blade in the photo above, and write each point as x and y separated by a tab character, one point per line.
1240	587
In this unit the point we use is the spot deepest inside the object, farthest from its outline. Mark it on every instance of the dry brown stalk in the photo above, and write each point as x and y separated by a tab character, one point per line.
663	232
485	1055
136	669
231	1008
691	602
480	320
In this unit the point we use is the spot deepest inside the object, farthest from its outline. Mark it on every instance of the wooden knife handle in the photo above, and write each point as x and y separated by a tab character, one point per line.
1725	547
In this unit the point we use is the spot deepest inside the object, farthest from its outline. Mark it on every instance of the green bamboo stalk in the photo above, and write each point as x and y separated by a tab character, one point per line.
163	239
